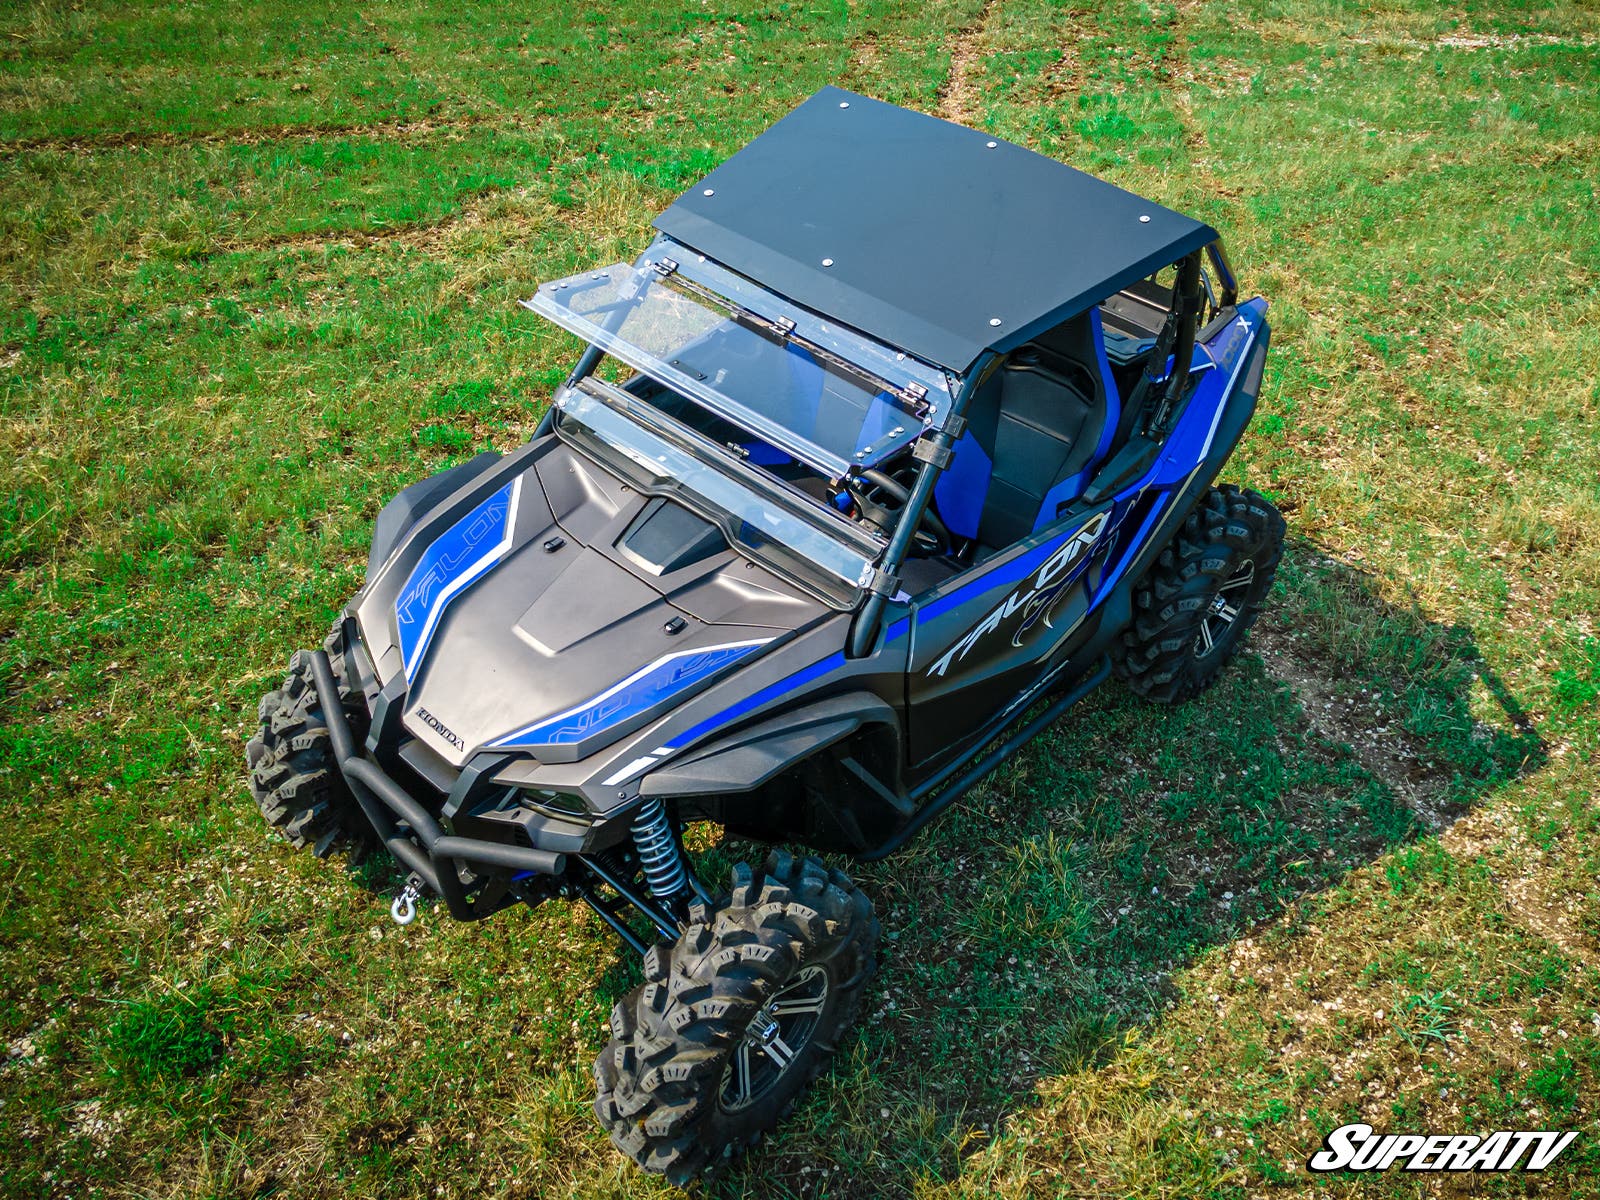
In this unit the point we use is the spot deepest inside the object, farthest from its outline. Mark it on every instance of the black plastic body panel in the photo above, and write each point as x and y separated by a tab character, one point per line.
398	516
760	752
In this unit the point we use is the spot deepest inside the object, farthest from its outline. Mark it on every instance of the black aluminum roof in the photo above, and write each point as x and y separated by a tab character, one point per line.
940	240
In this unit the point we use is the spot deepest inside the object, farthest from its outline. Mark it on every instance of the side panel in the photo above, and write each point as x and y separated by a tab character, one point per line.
993	633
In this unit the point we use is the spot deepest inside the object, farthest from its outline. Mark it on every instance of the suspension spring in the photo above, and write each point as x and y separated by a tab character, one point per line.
659	854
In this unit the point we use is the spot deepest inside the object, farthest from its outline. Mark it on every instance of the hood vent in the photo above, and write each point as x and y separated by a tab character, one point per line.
667	537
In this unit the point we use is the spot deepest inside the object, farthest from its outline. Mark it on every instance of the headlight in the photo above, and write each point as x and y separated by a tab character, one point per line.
556	804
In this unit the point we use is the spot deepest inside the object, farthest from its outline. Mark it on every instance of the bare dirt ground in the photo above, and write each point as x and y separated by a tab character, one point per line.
1358	721
958	97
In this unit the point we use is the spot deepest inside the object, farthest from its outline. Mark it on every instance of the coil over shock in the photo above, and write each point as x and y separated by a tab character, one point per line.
659	853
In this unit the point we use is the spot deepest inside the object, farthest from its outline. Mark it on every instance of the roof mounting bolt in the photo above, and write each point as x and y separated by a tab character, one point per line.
861	453
992	145
844	104
827	262
709	192
1144	219
897	431
994	320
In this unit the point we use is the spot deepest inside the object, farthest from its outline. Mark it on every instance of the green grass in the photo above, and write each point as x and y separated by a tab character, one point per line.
258	266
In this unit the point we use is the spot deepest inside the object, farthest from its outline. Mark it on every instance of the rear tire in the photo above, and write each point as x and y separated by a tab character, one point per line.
1194	607
293	777
736	1017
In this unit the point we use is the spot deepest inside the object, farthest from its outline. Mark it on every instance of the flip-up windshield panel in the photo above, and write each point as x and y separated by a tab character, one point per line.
782	375
785	536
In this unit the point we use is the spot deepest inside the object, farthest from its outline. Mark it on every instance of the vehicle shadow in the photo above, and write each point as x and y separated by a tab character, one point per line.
1044	917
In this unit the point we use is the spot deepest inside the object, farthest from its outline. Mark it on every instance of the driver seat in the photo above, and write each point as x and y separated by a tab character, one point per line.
1035	432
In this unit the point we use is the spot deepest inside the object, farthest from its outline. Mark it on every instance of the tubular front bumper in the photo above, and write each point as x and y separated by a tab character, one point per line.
423	846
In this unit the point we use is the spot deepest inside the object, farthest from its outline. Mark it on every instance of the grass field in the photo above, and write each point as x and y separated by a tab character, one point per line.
257	270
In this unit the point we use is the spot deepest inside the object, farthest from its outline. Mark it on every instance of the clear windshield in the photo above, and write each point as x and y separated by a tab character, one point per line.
759	516
787	378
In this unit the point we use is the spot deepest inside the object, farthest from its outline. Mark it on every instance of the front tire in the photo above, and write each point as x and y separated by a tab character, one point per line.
736	1017
293	778
1205	591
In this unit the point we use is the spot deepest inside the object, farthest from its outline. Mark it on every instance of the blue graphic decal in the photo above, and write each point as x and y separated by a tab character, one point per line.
638	693
457	558
1130	552
1191	438
756	700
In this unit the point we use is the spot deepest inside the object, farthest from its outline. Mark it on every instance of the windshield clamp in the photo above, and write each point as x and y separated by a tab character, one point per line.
784	325
666	267
876	579
934	450
916	395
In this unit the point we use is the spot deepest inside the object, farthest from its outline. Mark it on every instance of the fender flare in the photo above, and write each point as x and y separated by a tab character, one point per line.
743	761
414	501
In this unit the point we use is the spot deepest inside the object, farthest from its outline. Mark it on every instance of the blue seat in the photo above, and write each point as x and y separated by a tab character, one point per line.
1036	431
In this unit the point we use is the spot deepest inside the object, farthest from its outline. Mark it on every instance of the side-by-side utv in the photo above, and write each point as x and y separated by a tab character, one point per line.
906	442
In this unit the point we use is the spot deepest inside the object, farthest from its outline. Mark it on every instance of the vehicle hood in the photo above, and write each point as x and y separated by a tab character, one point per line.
520	621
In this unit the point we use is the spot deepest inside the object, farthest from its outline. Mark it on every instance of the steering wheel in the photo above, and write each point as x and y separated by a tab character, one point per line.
871	487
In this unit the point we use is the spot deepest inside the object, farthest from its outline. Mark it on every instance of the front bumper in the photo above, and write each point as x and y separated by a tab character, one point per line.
414	836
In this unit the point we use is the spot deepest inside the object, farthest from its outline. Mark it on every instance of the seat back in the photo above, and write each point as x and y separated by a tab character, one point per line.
1036	429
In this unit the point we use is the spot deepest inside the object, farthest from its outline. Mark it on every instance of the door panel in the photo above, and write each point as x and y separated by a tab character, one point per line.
996	630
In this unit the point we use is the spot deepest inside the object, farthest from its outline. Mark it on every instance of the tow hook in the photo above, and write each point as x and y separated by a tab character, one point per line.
404	908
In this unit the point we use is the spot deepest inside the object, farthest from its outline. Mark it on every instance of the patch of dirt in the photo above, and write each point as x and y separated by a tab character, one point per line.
1402	762
1556	915
1554	918
958	98
156	139
1177	76
867	57
99	1125
421	237
1483	41
1355	718
428	237
1064	79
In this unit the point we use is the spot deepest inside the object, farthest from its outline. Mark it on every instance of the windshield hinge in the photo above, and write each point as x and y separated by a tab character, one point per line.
917	396
665	267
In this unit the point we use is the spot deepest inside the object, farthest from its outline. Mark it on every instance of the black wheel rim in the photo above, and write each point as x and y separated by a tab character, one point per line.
1223	611
774	1040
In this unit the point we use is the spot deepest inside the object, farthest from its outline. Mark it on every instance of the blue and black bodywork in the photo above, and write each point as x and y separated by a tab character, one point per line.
904	419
